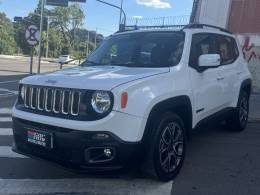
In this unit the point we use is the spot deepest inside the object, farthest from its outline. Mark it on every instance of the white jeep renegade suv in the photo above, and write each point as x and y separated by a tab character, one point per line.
135	99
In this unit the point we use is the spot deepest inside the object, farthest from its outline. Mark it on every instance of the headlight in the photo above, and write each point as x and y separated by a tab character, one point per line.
101	101
22	92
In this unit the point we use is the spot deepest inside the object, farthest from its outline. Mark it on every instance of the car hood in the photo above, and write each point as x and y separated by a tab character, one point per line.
93	77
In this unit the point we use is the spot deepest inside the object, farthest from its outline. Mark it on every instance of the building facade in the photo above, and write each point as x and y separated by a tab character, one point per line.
242	17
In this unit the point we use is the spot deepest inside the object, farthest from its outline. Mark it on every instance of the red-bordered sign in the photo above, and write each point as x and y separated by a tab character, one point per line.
32	35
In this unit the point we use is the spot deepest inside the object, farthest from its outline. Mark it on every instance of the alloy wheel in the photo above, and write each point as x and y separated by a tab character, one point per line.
243	110
171	147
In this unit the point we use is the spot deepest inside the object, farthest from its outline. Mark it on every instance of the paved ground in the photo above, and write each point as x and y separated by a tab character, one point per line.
21	66
255	107
219	162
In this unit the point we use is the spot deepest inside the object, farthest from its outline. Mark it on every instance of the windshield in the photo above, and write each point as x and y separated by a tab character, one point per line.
149	49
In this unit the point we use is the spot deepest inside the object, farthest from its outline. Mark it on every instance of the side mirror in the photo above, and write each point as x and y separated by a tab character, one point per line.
209	61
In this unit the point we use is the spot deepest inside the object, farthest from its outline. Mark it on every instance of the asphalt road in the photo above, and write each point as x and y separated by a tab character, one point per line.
219	162
18	66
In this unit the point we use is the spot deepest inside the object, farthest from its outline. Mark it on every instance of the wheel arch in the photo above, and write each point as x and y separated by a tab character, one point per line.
181	105
247	86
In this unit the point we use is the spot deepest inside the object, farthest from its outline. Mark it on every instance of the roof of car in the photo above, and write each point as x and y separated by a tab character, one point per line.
149	30
177	28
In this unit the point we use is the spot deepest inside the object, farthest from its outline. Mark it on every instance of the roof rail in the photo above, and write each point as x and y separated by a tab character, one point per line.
136	27
198	25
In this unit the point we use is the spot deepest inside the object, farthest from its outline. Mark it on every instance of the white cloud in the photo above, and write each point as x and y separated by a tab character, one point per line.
160	4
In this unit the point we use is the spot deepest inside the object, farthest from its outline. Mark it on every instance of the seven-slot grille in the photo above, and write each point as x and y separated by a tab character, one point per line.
58	101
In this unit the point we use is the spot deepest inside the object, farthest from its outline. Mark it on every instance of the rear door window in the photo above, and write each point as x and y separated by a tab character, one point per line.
227	49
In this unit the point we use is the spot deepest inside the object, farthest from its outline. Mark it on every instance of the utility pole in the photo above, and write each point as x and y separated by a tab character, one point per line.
121	8
31	61
121	26
40	42
47	37
74	32
88	44
96	38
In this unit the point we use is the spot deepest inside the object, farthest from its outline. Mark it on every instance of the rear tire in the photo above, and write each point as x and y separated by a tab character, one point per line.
239	118
167	148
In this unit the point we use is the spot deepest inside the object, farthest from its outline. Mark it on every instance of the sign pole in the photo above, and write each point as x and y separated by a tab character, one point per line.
31	62
32	37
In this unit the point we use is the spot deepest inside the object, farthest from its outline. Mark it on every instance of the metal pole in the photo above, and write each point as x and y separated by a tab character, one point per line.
88	44
40	42
47	37
120	18
31	62
163	21
115	6
96	39
74	25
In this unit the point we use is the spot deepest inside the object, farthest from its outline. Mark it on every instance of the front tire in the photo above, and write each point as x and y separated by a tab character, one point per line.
239	118
167	147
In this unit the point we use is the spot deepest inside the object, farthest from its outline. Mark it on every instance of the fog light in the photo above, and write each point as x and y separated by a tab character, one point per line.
99	154
108	152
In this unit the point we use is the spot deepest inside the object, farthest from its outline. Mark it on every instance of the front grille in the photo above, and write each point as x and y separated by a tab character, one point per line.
52	100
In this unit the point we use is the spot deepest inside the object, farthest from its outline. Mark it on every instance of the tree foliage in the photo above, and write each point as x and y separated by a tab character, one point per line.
66	34
67	20
7	41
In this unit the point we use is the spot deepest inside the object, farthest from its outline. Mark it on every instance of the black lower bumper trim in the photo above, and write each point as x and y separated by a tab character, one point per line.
69	166
70	147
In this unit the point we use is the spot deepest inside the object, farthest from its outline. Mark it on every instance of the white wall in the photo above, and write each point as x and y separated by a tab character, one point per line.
214	12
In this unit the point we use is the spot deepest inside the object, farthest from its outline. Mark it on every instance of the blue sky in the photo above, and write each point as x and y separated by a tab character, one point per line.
105	18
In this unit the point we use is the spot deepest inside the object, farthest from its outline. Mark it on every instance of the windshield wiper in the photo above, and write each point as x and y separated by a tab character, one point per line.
128	64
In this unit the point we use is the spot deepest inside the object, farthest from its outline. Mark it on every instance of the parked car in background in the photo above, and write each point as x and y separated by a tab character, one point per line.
65	59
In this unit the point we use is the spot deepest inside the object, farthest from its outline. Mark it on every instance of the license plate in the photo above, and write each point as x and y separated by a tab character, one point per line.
40	138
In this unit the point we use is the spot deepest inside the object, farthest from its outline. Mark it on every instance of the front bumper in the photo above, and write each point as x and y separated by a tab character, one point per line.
72	148
127	127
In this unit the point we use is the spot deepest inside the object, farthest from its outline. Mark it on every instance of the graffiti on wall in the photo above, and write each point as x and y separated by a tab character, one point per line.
249	51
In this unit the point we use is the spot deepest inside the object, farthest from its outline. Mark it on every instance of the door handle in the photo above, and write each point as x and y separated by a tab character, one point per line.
220	78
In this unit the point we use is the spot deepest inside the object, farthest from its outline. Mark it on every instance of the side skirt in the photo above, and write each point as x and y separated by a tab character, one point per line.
217	117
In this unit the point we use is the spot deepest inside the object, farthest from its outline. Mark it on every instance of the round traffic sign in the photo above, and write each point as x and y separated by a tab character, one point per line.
32	35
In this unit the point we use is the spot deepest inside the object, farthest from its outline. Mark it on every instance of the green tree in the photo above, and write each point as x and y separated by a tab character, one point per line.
66	35
56	43
67	20
7	41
